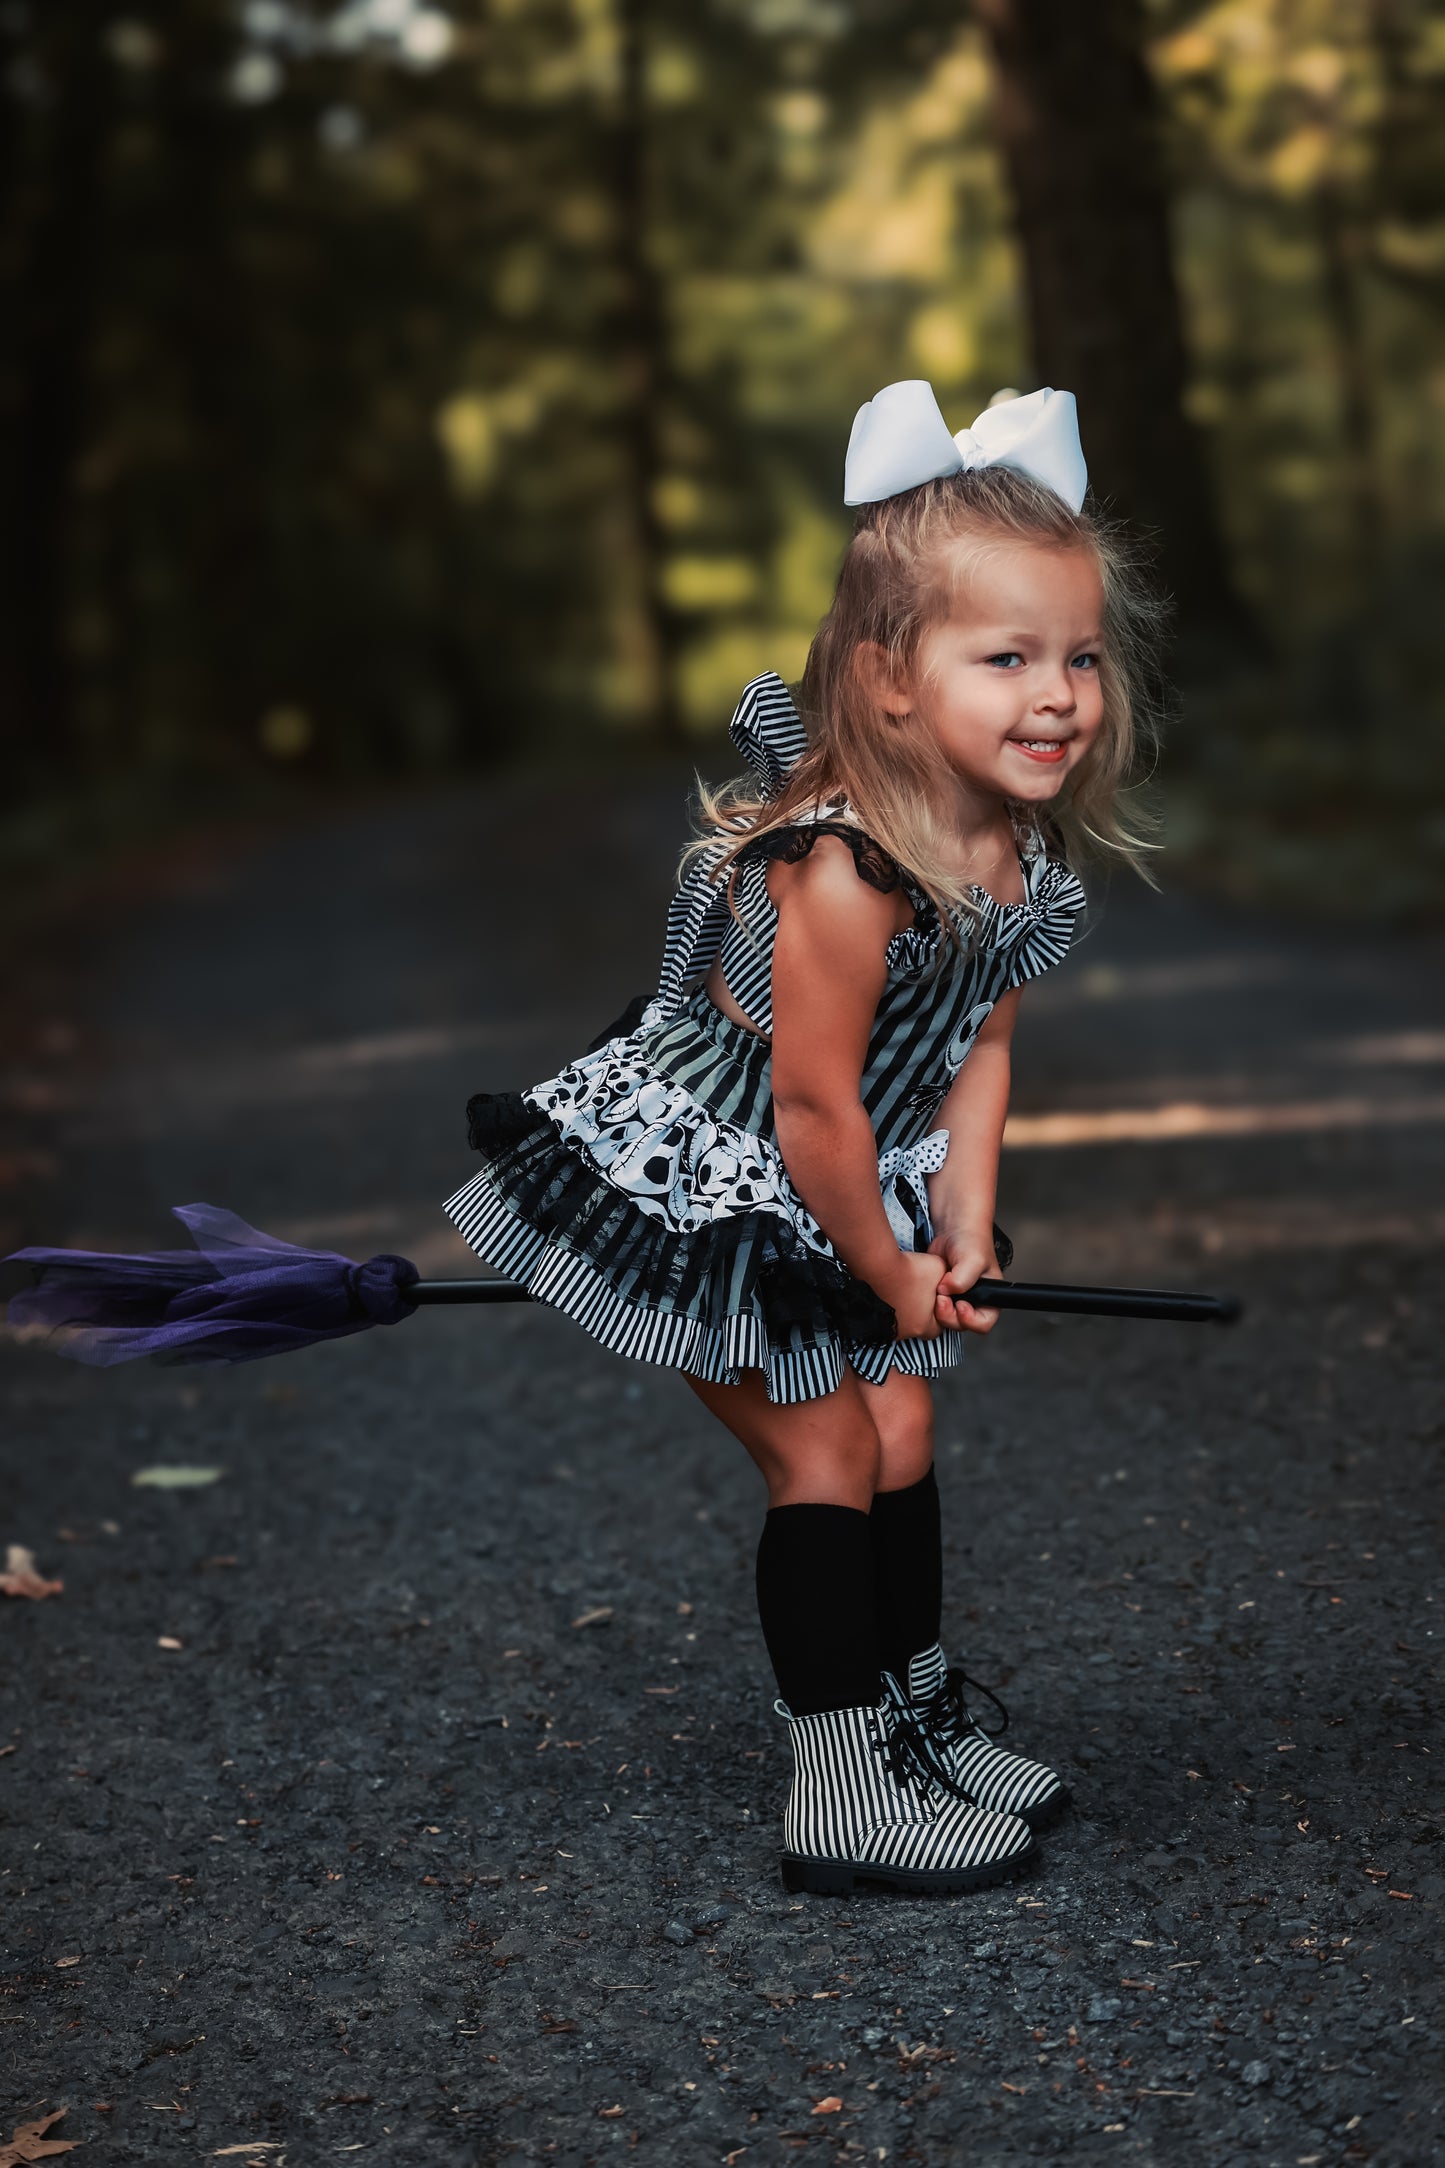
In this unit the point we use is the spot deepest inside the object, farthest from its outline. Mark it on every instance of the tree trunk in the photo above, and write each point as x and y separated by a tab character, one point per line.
221	650
1078	121
1359	459
53	297
641	350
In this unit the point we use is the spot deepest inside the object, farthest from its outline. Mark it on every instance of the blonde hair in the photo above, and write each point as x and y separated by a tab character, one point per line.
899	577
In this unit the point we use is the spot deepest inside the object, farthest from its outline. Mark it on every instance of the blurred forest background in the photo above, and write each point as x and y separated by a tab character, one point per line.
389	389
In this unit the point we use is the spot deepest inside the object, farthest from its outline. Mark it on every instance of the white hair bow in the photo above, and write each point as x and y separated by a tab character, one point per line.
901	439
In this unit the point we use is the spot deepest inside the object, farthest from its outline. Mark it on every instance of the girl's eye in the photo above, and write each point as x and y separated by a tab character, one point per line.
1087	661
1007	659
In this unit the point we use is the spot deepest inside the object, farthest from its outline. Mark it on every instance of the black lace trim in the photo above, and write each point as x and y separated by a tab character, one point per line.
497	1119
622	1027
874	864
709	1273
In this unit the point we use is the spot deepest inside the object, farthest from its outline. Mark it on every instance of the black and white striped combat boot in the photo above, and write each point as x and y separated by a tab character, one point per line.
865	1812
965	1757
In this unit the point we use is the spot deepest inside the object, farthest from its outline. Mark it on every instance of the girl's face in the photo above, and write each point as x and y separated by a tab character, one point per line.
1008	683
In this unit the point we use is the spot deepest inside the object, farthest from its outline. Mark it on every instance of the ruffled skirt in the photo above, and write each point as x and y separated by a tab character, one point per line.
641	1192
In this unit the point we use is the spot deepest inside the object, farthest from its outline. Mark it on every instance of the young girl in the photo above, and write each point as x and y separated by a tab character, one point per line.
779	1177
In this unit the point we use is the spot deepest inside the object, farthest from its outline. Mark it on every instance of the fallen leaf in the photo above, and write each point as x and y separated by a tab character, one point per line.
31	2143
169	1641
597	1616
1012	2088
62	1961
177	1476
21	1579
831	2106
257	2145
610	2112
914	2058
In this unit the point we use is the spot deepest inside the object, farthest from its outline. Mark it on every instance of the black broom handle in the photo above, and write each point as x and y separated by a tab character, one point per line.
1183	1309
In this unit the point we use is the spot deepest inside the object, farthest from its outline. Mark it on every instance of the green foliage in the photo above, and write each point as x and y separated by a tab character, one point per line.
387	388
1310	196
1309	170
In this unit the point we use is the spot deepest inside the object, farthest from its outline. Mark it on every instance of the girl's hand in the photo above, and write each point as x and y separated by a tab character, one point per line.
913	1292
968	1258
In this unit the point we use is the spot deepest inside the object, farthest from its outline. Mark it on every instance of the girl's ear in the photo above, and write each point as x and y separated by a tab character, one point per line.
881	680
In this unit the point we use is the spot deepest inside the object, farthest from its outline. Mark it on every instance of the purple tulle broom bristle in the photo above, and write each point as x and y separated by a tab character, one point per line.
237	1296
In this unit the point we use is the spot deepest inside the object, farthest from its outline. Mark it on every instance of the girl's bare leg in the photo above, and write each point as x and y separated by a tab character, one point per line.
902	1412
820	1460
823	1452
825	1461
837	1450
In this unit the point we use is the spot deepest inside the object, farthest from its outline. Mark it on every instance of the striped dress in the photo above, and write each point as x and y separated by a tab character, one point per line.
641	1189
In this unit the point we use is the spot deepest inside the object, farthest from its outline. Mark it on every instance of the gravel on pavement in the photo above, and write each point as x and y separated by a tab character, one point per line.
410	1787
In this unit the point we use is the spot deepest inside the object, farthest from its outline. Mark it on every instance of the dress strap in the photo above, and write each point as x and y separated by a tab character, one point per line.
768	731
696	918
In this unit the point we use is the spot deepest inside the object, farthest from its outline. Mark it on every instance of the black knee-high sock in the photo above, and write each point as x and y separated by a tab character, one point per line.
815	1600
907	1532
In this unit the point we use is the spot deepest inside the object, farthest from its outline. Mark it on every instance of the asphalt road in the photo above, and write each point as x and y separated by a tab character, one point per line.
332	1825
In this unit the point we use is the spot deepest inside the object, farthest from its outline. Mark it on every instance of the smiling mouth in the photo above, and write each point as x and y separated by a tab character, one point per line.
1045	749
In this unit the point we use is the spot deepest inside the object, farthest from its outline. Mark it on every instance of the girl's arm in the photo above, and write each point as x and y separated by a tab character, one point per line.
961	1195
829	971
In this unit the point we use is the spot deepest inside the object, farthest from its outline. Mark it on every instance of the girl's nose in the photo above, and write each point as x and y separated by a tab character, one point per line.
1056	696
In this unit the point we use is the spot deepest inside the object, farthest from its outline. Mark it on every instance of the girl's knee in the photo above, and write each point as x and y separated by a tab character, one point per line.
902	1410
836	1460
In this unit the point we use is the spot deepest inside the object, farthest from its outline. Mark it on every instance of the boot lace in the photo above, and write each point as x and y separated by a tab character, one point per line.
904	1755
946	1713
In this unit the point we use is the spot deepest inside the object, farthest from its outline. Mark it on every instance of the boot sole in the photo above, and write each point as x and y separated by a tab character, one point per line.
841	1877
